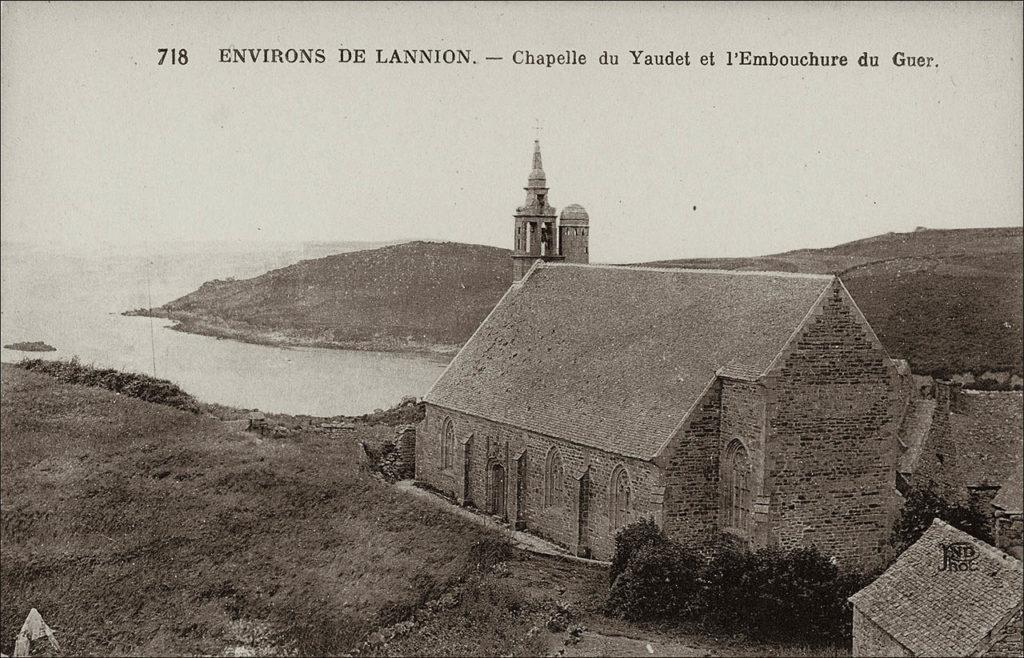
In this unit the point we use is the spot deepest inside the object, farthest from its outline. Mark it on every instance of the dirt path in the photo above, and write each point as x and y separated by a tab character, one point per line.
593	643
523	540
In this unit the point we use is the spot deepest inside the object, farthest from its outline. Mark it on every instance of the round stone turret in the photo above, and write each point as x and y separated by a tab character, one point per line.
575	214
573	227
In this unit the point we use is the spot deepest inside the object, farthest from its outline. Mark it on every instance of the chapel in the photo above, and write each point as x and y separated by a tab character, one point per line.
758	407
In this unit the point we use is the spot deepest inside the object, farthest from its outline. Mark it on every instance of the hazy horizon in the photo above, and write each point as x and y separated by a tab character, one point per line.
100	146
184	247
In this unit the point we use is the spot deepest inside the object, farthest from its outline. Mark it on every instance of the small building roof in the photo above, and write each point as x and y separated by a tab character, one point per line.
574	212
1010	494
614	357
912	435
934	611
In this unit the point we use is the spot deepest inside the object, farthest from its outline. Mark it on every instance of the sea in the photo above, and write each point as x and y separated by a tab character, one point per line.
73	300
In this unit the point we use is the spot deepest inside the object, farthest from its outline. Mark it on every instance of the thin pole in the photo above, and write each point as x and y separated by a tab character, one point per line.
149	298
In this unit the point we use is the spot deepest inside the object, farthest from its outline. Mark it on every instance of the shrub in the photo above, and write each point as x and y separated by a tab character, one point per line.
144	387
660	582
489	551
770	594
631	539
797	594
924	504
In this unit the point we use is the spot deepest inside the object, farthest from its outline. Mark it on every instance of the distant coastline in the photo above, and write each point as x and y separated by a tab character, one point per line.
193	323
947	301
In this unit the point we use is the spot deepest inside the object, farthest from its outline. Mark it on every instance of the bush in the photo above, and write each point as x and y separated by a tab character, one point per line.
770	594
660	582
774	594
629	540
144	387
488	551
923	505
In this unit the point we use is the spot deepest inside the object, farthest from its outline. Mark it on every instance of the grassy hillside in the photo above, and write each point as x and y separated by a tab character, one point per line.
418	295
949	301
136	528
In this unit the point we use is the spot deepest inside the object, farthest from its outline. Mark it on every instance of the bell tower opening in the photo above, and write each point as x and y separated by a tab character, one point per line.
536	222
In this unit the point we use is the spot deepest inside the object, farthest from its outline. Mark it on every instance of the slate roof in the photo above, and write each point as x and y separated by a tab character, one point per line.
943	613
614	357
989	437
1009	498
912	434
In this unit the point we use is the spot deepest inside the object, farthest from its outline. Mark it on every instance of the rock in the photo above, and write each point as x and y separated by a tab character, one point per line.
31	346
556	624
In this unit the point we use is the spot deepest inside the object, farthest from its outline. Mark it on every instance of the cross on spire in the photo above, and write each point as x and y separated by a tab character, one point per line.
537	127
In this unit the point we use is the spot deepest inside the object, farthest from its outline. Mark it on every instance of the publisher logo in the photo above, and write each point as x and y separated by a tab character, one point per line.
960	556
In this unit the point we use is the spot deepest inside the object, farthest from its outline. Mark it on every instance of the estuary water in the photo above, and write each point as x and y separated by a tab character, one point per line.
73	301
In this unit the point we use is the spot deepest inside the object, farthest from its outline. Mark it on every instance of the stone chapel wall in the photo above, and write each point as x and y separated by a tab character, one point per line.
523	456
832	413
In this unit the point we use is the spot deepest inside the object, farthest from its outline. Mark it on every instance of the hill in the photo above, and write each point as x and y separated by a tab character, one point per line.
949	301
412	296
139	529
136	528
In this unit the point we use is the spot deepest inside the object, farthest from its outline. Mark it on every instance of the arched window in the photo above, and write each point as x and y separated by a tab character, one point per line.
737	487
447	443
554	479
621	498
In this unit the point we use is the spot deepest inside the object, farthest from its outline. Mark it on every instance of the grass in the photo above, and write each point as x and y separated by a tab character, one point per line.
949	301
137	528
418	296
132	384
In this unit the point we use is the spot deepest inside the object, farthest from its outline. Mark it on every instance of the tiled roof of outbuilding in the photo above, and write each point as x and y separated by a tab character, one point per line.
1010	498
614	357
915	428
943	613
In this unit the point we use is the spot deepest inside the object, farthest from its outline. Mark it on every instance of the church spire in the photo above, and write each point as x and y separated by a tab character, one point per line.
537	177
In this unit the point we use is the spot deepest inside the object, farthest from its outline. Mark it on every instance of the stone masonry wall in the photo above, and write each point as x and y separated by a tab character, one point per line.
743	412
1009	534
1009	641
870	640
832	412
938	464
691	466
694	499
523	456
574	243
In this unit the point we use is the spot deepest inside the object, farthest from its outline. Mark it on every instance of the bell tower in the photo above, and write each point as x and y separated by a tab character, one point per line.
536	232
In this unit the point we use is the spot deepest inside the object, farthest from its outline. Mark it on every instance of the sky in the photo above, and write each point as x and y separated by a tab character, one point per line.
102	146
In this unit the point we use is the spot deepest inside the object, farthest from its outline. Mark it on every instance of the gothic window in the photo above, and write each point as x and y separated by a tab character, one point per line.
621	498
447	444
737	487
554	479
